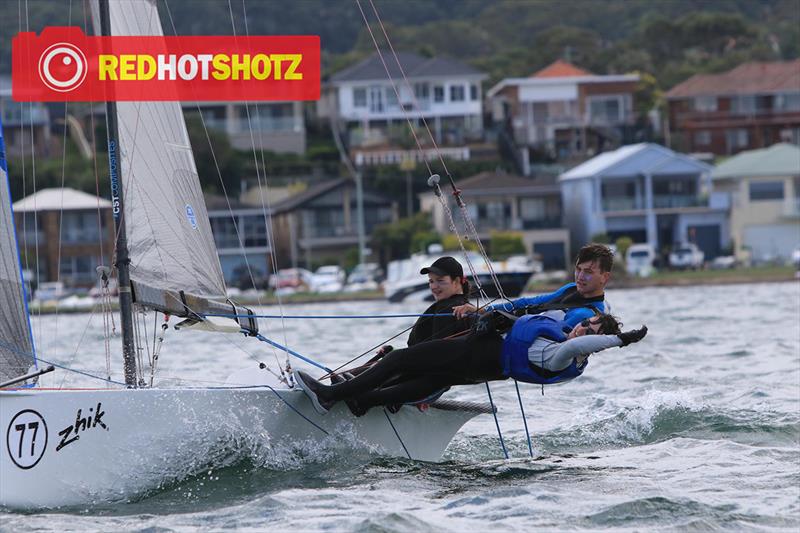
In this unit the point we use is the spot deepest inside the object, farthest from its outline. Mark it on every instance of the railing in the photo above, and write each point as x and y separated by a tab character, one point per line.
792	208
674	200
619	204
541	223
716	116
80	236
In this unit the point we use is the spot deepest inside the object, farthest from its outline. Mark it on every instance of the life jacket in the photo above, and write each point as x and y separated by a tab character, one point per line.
514	356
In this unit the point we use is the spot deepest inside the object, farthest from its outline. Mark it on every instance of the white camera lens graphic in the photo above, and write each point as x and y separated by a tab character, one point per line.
64	54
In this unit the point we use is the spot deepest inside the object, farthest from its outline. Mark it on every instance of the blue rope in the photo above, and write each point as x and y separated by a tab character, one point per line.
496	423
224	315
291	352
81	372
524	421
396	433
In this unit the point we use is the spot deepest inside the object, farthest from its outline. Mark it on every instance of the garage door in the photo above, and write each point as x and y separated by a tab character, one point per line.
772	241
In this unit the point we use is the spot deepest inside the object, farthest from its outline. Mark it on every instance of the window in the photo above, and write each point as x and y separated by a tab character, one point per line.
255	230
456	93
79	227
359	97
80	267
391	97
743	104
605	110
422	91
704	103
766	190
787	102
737	138
438	93
702	138
473	92
224	232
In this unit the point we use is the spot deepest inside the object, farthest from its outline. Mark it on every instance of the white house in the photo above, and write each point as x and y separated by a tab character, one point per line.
444	92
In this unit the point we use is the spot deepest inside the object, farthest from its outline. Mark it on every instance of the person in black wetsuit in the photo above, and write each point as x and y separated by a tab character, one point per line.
450	289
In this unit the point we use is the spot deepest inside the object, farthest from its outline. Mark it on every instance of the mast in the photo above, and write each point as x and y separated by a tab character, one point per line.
123	259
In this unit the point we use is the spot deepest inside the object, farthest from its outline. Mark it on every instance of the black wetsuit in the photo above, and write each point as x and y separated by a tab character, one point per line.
429	328
424	369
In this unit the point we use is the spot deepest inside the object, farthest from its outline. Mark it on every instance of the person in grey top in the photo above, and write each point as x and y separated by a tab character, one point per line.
535	350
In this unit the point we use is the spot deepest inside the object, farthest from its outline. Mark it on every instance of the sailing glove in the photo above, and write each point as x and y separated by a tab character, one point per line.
634	335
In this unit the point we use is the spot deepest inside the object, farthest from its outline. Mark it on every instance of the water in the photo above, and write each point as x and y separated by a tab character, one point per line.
697	427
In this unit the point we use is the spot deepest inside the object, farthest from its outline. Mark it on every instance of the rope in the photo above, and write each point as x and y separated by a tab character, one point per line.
524	421
291	352
386	414
496	423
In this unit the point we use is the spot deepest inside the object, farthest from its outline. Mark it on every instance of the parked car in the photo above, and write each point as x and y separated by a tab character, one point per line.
328	278
50	291
291	279
364	277
723	262
686	255
639	259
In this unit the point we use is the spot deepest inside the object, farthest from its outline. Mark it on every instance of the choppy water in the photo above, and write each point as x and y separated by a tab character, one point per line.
695	428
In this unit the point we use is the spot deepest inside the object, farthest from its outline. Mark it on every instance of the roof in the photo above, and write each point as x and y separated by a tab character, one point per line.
501	182
307	195
567	77
414	65
780	159
747	78
634	159
561	69
56	199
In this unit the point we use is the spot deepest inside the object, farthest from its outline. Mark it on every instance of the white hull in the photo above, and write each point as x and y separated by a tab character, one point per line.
155	436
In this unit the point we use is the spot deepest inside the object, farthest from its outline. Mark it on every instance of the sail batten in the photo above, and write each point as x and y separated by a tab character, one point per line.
171	246
17	355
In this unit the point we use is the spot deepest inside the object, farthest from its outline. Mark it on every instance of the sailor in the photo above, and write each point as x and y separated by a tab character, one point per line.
450	289
535	350
573	302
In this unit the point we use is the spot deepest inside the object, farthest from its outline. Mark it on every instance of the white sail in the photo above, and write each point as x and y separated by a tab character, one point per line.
174	263
16	345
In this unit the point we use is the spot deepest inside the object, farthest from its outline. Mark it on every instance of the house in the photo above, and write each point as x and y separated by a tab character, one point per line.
276	126
752	106
497	201
763	188
240	234
564	111
445	93
23	121
64	234
320	224
646	192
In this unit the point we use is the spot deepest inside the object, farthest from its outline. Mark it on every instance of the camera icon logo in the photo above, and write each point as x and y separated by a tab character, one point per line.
63	67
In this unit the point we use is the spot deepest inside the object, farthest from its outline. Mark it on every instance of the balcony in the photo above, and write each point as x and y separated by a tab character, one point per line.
732	118
679	200
791	209
620	204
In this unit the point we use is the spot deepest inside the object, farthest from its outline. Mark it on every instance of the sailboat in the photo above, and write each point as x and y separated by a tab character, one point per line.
63	447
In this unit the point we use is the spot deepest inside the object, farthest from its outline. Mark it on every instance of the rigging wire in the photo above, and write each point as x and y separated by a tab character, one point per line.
261	190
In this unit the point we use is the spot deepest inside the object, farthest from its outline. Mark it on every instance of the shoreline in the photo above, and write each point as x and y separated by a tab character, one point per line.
665	279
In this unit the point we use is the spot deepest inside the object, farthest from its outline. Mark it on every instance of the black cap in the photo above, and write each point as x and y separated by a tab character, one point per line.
445	266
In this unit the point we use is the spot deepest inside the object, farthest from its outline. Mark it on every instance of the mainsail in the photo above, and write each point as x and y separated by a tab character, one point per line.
16	343
174	263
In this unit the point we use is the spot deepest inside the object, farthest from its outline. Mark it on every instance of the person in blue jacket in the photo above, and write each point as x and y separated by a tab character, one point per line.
536	349
573	302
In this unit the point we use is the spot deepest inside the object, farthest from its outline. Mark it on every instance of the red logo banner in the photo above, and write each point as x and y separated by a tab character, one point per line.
63	64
